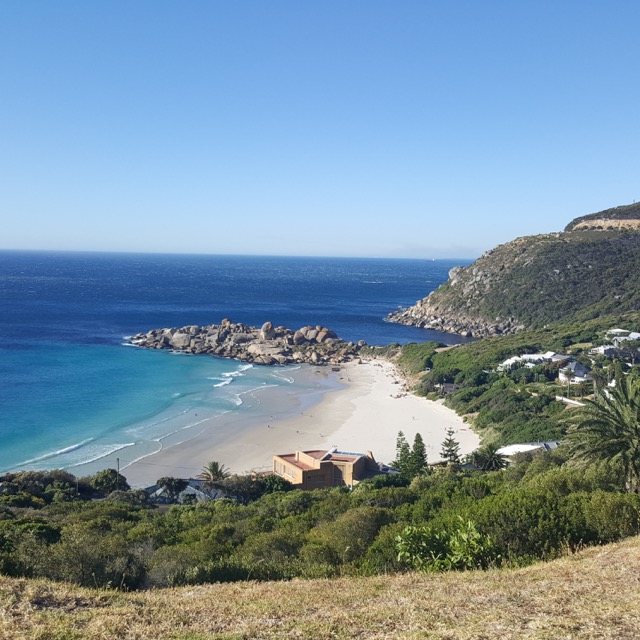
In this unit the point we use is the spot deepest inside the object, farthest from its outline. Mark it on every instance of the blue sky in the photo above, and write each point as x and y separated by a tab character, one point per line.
350	128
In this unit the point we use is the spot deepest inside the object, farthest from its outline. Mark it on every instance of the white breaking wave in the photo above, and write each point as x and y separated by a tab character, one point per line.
146	455
280	376
53	454
104	451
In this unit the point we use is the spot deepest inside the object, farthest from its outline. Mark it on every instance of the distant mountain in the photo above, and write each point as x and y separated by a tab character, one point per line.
590	269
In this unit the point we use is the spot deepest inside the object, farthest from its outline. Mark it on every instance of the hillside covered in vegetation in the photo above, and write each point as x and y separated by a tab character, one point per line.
584	272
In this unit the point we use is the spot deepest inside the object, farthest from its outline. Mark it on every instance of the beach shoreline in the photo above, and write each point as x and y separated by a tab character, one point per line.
360	407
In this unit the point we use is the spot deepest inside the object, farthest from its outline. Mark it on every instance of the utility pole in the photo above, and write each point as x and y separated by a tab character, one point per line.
118	476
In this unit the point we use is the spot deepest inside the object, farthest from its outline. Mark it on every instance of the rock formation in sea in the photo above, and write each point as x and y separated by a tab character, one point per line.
265	345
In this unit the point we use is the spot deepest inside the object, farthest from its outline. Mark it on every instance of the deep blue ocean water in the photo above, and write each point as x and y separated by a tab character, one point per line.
70	391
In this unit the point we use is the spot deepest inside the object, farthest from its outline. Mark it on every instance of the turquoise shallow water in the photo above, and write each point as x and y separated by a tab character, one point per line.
71	393
105	399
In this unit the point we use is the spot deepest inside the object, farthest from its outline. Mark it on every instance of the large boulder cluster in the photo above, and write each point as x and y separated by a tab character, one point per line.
264	345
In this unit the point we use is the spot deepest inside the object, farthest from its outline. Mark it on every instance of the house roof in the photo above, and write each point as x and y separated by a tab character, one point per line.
318	454
323	455
577	367
291	459
633	335
512	449
532	359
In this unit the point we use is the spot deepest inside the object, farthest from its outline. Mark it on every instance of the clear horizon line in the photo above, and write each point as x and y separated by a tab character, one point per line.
233	255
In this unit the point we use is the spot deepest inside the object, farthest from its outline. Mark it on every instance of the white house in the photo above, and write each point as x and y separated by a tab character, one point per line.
606	350
632	335
574	373
513	449
195	491
531	359
618	332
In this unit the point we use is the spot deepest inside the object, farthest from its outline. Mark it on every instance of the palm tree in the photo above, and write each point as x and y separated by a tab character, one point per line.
607	429
600	379
582	389
569	375
213	473
488	458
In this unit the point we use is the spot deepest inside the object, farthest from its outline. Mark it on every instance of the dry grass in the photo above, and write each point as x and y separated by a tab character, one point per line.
593	594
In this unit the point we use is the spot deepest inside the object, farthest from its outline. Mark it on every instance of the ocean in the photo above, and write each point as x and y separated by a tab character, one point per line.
73	395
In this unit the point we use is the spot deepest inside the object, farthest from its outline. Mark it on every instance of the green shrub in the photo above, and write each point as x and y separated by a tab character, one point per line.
460	548
347	537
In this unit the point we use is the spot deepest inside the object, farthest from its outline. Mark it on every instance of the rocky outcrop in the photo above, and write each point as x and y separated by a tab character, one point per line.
535	281
456	306
265	345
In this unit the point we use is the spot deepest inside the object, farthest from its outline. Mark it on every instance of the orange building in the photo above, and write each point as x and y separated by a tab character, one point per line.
322	468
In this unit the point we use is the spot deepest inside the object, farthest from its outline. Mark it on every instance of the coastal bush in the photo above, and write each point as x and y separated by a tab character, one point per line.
329	504
234	570
244	489
92	559
168	565
294	503
460	548
106	481
383	480
612	516
271	547
416	357
348	537
538	508
22	500
138	498
387	351
13	530
272	483
524	524
386	497
172	486
382	554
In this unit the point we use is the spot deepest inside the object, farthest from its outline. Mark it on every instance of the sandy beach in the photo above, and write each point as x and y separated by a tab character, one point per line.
365	415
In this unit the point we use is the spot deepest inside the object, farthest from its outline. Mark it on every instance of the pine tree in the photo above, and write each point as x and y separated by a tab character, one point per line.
450	448
403	453
417	457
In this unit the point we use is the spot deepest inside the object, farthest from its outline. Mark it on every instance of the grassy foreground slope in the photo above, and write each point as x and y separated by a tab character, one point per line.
592	594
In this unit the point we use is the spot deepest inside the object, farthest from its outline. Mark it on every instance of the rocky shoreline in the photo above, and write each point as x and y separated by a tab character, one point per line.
445	309
267	345
423	316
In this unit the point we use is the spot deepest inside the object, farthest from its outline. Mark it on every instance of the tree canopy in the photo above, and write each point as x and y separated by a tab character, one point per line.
607	429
